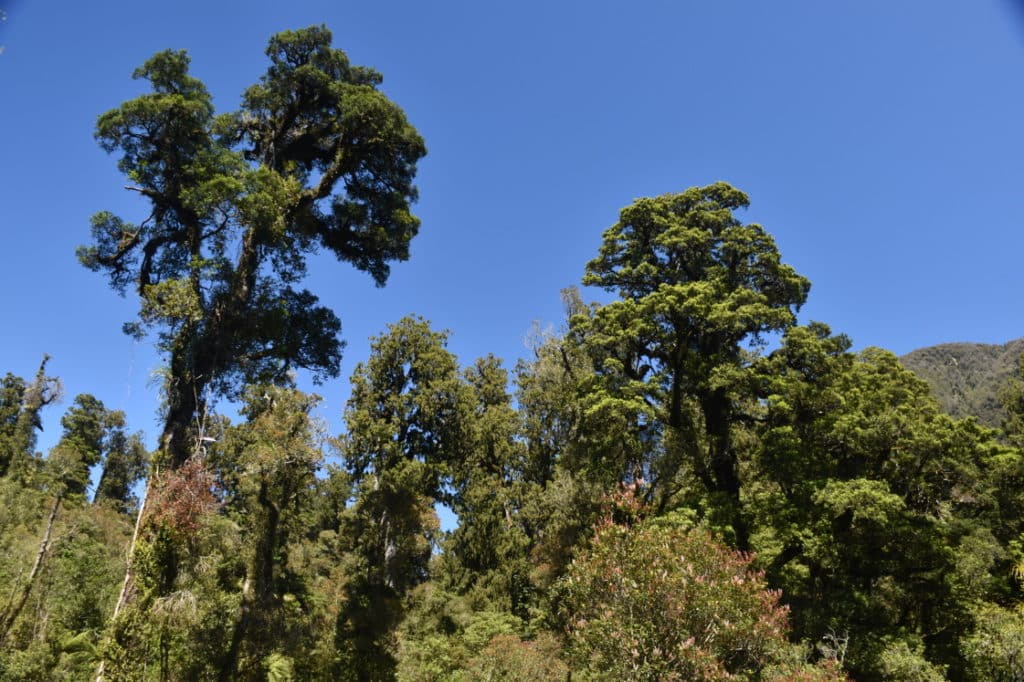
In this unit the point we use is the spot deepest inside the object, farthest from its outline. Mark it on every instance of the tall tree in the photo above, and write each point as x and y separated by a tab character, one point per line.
124	464
407	423
93	435
21	405
490	545
316	158
547	395
574	447
696	285
268	469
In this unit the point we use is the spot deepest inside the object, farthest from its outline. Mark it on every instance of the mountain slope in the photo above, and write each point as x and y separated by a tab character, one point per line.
967	377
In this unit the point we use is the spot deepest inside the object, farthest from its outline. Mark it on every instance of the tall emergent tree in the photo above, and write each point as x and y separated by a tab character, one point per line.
695	285
316	158
21	404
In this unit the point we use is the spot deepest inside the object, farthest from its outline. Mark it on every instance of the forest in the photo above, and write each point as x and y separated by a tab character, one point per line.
680	482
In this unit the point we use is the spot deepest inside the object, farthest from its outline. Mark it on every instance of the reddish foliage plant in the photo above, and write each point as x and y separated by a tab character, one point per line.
656	601
182	497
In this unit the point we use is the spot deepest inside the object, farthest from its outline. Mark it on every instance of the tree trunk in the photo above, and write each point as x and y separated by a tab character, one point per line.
266	550
724	467
129	571
14	610
182	406
230	663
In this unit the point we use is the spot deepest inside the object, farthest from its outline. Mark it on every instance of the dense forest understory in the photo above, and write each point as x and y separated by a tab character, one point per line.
683	483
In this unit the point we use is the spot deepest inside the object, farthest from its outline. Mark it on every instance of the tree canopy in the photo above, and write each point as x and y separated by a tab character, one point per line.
695	284
316	158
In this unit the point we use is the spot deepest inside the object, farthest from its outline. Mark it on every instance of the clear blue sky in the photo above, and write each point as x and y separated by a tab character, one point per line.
880	142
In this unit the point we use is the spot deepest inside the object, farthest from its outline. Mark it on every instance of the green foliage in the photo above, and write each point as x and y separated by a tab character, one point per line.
406	428
21	405
279	668
695	285
406	407
56	633
489	549
316	158
1011	396
995	649
188	564
94	435
443	631
547	396
267	468
461	638
125	463
870	505
572	458
662	499
563	514
219	595
901	661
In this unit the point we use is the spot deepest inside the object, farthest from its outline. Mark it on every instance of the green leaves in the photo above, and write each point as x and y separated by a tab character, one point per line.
864	501
316	158
696	287
868	503
406	403
407	424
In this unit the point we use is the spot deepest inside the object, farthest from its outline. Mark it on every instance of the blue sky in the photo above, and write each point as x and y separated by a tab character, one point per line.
879	141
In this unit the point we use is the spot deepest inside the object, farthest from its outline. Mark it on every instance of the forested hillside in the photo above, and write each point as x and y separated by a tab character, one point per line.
651	494
967	378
